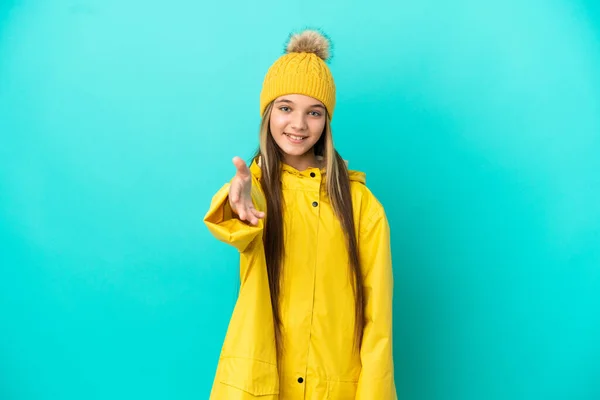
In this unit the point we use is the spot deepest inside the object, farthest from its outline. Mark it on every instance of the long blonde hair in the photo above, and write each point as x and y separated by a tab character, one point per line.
338	190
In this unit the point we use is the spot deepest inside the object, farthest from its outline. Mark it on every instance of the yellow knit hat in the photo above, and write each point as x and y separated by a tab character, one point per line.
303	70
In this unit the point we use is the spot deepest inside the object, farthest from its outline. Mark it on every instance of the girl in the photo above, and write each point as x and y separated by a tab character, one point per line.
313	319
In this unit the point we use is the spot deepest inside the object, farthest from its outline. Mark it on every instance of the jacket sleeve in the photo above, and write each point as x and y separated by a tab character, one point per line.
224	224
376	381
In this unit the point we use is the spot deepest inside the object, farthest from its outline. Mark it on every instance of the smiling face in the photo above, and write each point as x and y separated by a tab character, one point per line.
297	123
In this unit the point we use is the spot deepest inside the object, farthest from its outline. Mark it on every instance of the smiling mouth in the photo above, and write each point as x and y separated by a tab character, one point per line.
295	137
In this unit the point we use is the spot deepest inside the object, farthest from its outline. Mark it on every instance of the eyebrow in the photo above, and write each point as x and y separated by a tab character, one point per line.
291	102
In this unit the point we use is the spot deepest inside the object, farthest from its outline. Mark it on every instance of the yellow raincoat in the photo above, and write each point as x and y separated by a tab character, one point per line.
317	301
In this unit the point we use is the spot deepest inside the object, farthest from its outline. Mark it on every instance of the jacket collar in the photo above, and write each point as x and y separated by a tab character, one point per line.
355	176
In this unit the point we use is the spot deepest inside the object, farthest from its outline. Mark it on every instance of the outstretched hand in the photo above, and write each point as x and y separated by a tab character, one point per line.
240	198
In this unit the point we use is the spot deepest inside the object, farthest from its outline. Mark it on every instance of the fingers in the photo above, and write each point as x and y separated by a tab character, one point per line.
242	213
241	167
252	219
257	214
248	213
254	215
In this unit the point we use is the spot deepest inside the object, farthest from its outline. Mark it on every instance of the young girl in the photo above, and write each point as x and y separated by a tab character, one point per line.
314	315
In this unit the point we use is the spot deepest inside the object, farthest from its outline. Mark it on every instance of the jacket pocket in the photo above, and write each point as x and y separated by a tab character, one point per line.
341	390
256	377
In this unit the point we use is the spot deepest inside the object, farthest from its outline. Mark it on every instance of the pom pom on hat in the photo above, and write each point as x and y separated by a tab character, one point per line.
309	41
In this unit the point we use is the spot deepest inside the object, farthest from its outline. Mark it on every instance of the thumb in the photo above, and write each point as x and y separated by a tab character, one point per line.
241	167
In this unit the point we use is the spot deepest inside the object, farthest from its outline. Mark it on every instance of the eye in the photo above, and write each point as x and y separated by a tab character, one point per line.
315	113
284	109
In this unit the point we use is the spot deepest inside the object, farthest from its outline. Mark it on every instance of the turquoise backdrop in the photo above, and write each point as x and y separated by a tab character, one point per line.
477	123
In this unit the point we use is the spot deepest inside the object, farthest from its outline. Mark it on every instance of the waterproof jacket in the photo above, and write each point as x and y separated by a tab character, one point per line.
318	358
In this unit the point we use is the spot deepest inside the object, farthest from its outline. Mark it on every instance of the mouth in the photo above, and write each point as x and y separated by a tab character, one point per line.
295	138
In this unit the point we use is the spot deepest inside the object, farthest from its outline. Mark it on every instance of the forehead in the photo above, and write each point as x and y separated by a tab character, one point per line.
300	100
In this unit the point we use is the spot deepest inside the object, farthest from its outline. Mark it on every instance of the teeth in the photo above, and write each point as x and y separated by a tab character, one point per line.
296	137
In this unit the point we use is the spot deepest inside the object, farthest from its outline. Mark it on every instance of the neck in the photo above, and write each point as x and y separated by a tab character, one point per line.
303	162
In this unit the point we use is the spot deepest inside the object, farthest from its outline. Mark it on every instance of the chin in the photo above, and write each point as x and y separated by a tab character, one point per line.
295	152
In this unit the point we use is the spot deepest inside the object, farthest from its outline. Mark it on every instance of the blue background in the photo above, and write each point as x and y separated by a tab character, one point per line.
477	123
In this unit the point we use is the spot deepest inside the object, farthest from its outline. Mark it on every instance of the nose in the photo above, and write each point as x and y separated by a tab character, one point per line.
298	122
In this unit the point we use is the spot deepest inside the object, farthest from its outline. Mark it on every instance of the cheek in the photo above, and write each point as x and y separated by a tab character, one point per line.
317	127
277	123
